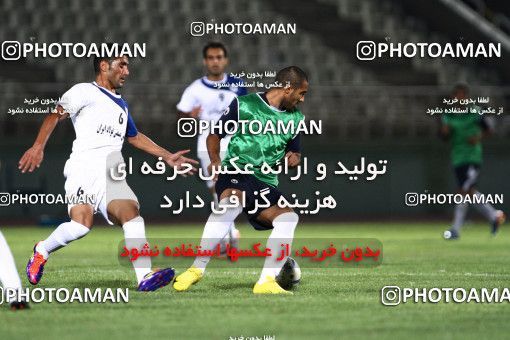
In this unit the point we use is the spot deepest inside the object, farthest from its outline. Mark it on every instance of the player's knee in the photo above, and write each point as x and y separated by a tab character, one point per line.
231	192
288	212
122	211
87	221
129	216
83	221
226	211
83	215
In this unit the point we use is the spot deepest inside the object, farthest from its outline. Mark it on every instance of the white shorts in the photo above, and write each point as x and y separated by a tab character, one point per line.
91	177
203	156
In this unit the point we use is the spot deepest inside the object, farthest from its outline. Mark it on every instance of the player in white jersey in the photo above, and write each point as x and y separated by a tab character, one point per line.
102	121
206	99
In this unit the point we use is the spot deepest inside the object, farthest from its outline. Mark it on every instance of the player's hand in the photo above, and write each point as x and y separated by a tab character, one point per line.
473	140
178	161
31	159
196	111
293	158
444	132
214	165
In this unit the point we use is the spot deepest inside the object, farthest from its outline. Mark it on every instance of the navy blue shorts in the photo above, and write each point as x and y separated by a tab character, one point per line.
252	186
467	175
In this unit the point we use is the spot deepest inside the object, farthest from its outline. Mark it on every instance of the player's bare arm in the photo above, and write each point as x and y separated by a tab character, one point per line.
475	139
444	132
486	132
192	114
33	157
177	159
487	128
213	148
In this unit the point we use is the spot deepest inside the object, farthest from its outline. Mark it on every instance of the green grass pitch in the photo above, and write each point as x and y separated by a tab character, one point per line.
329	303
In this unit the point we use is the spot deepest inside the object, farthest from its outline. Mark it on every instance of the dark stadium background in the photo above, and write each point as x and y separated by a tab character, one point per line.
376	109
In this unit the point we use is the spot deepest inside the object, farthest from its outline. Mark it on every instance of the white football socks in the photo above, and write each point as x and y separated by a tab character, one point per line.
486	209
215	199
8	274
134	235
216	228
63	235
232	225
459	215
283	233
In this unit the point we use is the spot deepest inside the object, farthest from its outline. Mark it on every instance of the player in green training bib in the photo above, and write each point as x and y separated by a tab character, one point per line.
465	131
260	148
265	135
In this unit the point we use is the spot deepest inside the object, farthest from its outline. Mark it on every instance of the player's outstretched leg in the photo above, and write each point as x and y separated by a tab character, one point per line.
283	232
148	280
156	279
495	217
234	236
125	212
498	221
185	280
216	228
233	233
9	275
59	238
35	266
459	215
269	286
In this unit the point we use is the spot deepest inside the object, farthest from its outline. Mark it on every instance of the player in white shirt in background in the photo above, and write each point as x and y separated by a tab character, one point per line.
9	276
102	121
204	99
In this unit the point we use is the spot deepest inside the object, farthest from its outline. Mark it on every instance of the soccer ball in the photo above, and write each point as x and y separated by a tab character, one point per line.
290	275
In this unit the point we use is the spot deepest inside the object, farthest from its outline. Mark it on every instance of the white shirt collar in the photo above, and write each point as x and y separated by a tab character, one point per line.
212	82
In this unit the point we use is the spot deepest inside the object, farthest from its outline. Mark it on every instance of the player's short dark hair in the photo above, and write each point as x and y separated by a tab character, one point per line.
98	59
460	88
292	75
214	44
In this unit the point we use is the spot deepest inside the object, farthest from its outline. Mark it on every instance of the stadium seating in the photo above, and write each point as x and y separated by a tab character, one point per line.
343	92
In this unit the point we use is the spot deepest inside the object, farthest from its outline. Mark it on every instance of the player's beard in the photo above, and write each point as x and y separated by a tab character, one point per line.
288	106
216	72
119	84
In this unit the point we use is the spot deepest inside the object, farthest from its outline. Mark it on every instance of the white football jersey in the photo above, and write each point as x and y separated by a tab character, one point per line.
100	118
212	99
